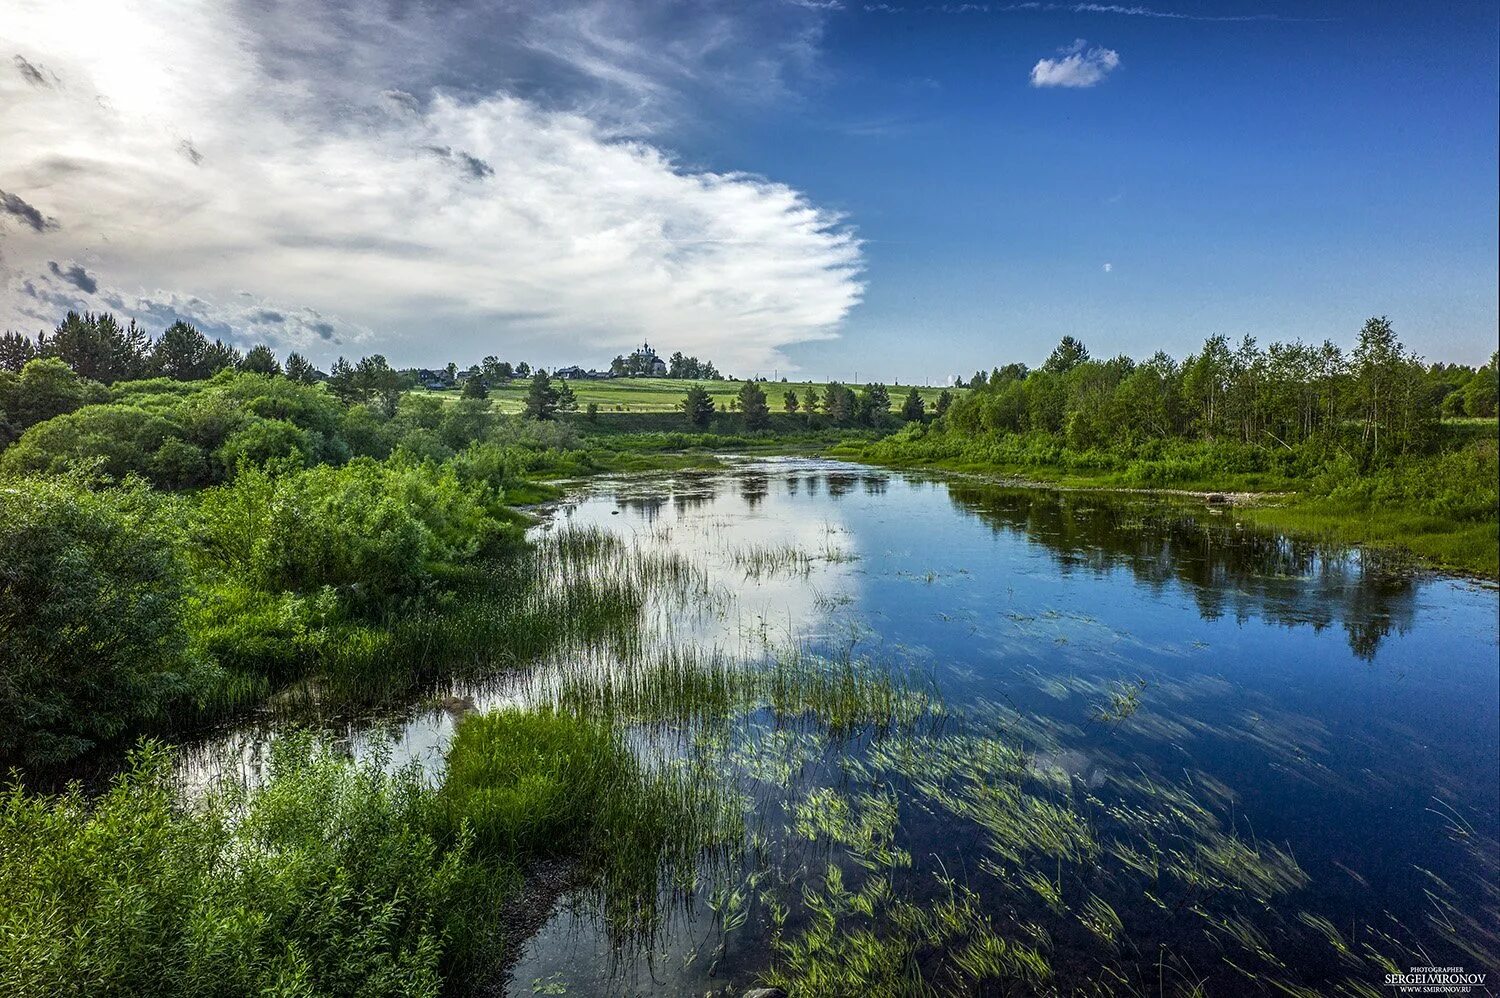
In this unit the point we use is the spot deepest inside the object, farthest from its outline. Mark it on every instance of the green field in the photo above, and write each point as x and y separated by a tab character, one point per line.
665	395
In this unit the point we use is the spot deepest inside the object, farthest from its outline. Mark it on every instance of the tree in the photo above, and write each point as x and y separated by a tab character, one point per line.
181	353
591	412
345	385
789	401
810	400
46	387
566	400
753	404
1068	354
541	397
874	404
913	409
838	402
698	406
523	370
375	377
300	369
1387	389
260	360
944	400
15	350
220	356
496	371
1205	384
98	347
474	388
1481	391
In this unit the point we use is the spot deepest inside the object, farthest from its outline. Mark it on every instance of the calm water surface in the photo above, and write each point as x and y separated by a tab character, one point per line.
1320	703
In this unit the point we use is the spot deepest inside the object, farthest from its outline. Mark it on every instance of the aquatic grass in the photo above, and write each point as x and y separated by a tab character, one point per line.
674	686
1102	920
539	783
761	561
865	824
1122	701
945	947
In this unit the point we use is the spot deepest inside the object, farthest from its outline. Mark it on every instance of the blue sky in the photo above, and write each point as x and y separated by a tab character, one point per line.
1281	179
890	189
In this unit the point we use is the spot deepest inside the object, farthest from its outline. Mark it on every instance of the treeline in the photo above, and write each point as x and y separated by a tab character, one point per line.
1378	400
1358	433
836	405
100	348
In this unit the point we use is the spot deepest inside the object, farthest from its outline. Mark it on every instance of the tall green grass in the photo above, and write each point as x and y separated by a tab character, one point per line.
528	784
329	878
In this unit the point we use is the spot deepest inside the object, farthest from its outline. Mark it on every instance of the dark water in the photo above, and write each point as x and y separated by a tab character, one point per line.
1331	706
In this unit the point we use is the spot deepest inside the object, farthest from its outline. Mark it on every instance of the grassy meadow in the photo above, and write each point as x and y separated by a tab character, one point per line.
665	395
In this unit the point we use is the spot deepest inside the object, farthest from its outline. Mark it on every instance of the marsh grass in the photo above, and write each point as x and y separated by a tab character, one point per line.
540	783
762	561
681	687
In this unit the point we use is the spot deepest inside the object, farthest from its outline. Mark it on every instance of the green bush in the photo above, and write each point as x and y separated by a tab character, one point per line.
264	440
92	600
116	440
46	387
326	880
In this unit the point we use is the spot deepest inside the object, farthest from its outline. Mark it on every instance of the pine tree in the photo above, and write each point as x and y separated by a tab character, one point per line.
944	400
913	409
299	368
566	400
1068	354
15	350
474	388
698	406
753	405
181	353
260	360
789	400
220	356
541	397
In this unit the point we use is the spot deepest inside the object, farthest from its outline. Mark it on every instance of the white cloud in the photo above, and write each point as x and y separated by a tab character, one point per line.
229	165
1077	66
1109	268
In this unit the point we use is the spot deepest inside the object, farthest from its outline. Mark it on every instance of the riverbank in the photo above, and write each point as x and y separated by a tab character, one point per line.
1311	508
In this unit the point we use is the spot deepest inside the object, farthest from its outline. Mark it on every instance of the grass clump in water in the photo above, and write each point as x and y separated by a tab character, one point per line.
676	687
870	942
542	783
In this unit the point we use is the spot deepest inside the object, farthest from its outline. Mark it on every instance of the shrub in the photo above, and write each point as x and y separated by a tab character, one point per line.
91	606
46	387
117	440
265	440
326	880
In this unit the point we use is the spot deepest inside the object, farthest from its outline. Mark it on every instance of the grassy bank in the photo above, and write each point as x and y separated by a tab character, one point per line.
337	877
1441	507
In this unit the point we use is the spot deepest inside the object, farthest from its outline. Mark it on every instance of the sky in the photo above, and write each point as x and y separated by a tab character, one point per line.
807	188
